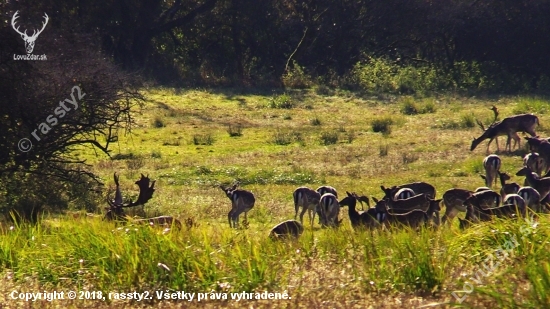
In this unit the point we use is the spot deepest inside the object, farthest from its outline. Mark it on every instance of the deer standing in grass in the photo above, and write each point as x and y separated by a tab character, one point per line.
416	187
241	201
508	126
308	199
116	207
359	219
491	164
329	210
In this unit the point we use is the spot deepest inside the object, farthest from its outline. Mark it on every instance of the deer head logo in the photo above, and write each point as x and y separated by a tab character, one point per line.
29	40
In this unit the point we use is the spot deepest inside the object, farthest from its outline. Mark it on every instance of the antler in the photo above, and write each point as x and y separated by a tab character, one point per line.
15	16
480	124
34	33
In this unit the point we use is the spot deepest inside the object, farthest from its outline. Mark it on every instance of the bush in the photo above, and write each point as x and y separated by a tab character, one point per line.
295	77
235	130
281	101
282	138
203	139
382	125
315	121
329	138
409	108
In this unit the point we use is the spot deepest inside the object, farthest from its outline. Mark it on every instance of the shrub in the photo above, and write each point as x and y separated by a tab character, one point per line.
281	101
329	138
203	139
235	130
409	107
282	138
158	122
295	77
382	125
315	121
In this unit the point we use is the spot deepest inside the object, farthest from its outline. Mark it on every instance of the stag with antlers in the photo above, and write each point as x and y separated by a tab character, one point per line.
509	126
29	40
115	211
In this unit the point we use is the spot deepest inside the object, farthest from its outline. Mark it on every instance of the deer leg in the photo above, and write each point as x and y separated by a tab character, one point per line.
230	218
311	216
450	213
304	209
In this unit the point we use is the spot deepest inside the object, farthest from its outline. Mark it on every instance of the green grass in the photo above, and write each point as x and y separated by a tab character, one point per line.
278	150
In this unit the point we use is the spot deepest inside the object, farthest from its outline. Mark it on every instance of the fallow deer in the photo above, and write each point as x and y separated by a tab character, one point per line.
484	199
414	218
532	199
507	188
419	201
481	189
509	126
404	193
329	210
242	201
327	189
536	163
542	185
289	228
416	187
475	214
491	164
454	199
308	199
359	219
116	207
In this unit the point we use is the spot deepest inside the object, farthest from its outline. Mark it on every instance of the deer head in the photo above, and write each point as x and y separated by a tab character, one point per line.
115	209
29	40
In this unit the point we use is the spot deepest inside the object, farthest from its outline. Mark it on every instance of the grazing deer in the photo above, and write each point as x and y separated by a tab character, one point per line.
359	219
404	193
416	187
308	199
532	199
419	201
515	199
327	189
476	214
115	211
509	126
491	164
542	185
454	199
289	228
241	201
414	218
484	199
329	210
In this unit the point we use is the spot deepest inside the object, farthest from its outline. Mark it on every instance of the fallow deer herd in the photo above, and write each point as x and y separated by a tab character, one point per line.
411	204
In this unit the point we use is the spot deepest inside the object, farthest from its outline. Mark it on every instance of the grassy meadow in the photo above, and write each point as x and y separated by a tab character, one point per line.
191	141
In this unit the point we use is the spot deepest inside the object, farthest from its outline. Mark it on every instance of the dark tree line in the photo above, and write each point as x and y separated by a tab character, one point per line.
250	41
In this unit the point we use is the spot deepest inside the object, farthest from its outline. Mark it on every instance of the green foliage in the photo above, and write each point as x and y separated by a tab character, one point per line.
203	139
532	105
295	77
409	107
281	101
